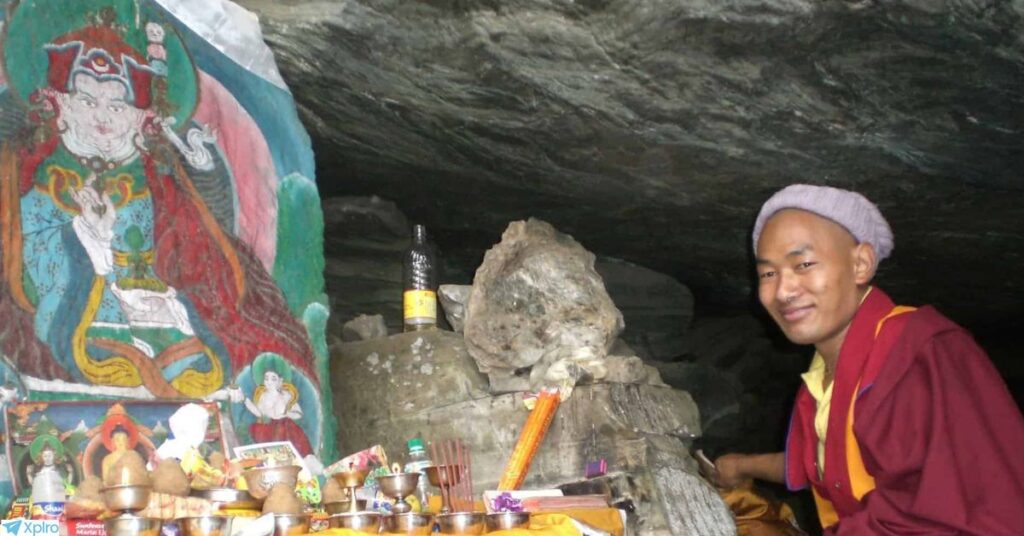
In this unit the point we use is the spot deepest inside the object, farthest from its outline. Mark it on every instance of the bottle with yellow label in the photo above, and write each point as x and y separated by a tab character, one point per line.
419	277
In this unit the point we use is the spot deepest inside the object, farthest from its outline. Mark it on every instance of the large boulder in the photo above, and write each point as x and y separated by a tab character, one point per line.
538	302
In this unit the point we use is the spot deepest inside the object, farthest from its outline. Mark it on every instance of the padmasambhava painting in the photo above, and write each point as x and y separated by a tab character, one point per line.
160	228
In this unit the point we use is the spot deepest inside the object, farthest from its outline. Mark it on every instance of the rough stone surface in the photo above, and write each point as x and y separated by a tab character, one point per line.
717	393
537	302
657	308
453	300
651	130
364	239
364	328
641	430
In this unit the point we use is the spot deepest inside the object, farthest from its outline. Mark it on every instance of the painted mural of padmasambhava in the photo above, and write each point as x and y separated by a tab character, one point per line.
116	273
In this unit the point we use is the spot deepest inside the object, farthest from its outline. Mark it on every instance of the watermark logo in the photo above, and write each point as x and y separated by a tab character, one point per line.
29	527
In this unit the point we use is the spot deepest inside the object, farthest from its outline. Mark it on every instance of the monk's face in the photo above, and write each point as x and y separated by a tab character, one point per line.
811	277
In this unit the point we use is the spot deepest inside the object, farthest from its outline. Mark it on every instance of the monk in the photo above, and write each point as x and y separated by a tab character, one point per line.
902	425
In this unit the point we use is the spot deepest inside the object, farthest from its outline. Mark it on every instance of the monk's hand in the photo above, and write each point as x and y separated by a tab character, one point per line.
731	471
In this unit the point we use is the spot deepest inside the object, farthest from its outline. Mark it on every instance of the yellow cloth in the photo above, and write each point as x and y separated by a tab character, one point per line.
758	516
540	525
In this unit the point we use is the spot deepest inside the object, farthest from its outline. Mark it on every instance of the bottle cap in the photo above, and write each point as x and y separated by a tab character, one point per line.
415	444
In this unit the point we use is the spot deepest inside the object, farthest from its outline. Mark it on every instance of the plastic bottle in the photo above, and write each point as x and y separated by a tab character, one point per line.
417	461
47	494
419	278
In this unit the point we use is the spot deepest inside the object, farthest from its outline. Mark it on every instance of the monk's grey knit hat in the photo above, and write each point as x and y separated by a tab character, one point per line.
849	209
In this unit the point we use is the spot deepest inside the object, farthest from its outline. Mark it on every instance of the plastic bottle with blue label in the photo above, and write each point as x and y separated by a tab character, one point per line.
47	494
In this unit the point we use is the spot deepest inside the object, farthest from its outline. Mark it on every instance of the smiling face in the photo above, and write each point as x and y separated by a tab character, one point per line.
812	275
97	114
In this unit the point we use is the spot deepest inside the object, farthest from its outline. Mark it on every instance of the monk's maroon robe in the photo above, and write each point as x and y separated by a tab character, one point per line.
936	426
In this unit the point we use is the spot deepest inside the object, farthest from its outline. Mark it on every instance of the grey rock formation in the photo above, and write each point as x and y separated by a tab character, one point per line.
426	385
537	302
657	309
651	130
364	239
364	328
453	300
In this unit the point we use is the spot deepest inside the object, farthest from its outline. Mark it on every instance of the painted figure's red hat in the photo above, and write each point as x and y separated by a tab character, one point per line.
100	52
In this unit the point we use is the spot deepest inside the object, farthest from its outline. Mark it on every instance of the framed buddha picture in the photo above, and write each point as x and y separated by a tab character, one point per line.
80	439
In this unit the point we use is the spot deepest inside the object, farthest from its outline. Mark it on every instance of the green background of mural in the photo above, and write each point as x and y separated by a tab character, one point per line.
299	266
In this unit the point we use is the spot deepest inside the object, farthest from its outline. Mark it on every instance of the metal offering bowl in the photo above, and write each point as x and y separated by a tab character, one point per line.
261	479
230	498
412	524
508	520
353	478
443	475
205	526
398	485
340	507
126	498
290	524
368	522
129	525
462	523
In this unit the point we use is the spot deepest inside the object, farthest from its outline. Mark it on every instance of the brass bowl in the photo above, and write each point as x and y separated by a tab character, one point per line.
341	507
126	498
205	526
229	498
462	523
129	525
508	521
353	478
412	524
261	479
368	522
290	524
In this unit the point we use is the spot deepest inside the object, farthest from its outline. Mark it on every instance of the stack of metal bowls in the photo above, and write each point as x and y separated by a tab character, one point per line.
131	525
229	498
411	523
508	521
291	524
205	526
261	479
462	523
368	522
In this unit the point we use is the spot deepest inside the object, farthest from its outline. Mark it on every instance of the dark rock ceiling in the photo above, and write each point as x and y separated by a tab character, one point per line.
651	130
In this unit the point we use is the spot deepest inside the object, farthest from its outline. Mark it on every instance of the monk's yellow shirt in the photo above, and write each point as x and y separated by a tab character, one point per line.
823	396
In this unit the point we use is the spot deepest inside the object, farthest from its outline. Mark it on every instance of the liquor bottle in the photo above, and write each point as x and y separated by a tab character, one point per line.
419	278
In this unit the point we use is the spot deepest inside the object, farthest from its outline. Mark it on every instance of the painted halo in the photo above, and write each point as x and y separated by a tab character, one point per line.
35	448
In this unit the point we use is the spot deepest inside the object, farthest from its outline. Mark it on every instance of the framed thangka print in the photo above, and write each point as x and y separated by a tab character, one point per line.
81	439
